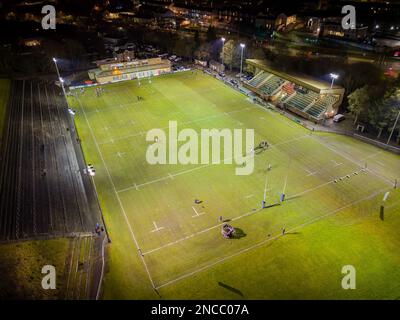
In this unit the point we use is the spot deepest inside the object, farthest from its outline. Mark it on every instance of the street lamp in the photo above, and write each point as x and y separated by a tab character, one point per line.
334	76
59	77
242	45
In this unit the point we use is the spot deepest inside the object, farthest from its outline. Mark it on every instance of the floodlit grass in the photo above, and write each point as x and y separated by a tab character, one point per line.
329	224
21	265
4	94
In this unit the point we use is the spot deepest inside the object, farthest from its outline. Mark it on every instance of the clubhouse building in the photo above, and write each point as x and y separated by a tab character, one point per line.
112	70
308	97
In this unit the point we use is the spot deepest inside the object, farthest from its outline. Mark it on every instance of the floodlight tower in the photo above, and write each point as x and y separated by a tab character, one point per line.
222	53
59	78
334	76
242	45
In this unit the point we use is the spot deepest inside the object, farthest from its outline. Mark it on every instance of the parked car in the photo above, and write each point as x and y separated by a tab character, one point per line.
339	117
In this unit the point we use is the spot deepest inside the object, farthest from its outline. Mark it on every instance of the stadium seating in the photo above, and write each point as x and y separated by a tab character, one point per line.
317	109
302	100
271	85
258	78
287	91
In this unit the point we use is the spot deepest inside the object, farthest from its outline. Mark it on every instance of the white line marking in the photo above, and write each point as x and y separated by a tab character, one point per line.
372	155
171	176
311	221
197	213
118	198
203	166
181	124
120	154
380	163
235	219
249	196
310	173
388	181
102	269
156	228
335	164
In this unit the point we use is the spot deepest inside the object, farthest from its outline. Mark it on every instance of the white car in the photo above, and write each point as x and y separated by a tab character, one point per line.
91	170
339	117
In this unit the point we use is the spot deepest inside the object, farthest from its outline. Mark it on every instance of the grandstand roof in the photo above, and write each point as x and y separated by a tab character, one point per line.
298	78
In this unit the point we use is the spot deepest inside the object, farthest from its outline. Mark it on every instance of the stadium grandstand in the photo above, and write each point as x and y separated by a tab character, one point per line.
308	97
112	70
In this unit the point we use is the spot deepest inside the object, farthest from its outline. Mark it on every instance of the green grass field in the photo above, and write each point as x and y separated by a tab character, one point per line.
21	265
151	207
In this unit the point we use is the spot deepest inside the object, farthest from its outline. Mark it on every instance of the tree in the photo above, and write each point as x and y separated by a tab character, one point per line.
197	41
211	34
231	54
256	53
359	74
203	52
358	102
392	100
184	47
379	115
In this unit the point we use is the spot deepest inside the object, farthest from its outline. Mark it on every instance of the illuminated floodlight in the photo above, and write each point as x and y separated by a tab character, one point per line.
54	59
241	59
223	39
334	76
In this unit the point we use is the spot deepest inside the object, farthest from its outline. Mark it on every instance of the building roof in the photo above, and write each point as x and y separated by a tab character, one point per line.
298	78
99	73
